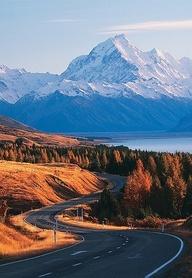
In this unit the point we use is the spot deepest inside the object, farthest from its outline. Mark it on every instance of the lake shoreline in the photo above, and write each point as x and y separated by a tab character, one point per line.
147	141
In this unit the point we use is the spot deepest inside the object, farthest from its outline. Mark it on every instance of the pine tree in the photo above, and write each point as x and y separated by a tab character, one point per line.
187	204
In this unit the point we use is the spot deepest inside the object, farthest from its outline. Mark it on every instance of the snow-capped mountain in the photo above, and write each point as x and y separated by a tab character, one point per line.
116	60
15	83
116	87
116	68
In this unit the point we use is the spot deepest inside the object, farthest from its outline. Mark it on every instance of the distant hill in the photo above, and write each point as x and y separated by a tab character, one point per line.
9	122
10	130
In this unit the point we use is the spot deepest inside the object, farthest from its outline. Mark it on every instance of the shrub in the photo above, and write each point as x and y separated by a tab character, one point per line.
149	222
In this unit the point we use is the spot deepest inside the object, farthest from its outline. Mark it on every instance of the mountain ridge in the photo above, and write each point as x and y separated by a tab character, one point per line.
114	87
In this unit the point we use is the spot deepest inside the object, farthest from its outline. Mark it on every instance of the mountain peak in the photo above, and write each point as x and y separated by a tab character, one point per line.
4	69
121	39
116	60
157	52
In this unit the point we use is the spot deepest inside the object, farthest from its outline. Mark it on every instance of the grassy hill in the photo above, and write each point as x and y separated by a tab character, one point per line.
27	186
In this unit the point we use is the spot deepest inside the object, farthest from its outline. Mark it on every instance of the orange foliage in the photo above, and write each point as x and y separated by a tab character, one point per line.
137	187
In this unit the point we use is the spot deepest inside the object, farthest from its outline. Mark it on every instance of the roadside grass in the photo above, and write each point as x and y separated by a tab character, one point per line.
183	267
19	238
69	217
65	219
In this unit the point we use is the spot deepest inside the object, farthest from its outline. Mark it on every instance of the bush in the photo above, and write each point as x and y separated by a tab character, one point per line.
149	222
188	223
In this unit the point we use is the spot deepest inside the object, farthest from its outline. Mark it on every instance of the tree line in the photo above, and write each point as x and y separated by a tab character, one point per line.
158	183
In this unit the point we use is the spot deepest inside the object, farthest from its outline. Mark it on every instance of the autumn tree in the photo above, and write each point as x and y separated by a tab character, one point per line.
175	189
137	188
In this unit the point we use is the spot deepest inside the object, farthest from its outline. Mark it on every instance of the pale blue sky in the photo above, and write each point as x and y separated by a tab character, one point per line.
45	35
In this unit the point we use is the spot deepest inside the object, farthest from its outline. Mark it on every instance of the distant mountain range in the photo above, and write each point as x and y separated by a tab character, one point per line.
116	87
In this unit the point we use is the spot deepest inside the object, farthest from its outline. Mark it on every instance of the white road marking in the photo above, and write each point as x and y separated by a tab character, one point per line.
137	256
118	247
123	243
78	252
170	260
97	257
109	251
77	264
46	274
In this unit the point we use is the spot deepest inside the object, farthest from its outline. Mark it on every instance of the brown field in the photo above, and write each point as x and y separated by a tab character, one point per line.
26	186
30	137
19	238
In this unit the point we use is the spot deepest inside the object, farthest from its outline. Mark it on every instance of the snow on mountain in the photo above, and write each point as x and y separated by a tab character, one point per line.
15	83
104	63
116	60
114	68
116	87
186	66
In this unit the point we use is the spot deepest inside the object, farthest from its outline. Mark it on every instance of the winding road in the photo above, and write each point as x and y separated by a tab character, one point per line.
113	254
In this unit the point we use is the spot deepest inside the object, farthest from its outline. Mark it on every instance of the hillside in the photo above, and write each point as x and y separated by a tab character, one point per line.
11	123
10	130
27	186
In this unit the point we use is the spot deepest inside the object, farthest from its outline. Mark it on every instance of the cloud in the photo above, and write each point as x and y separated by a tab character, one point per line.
150	26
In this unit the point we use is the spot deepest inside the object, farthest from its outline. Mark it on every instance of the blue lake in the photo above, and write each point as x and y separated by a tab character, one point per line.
162	142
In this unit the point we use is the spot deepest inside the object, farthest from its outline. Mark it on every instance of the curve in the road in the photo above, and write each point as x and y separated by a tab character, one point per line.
119	254
155	271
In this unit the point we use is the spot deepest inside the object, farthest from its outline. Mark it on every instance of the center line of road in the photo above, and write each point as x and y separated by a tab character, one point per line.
110	251
77	264
97	257
78	252
118	247
123	243
46	274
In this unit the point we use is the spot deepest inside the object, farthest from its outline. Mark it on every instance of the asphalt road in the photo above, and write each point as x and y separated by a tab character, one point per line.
99	254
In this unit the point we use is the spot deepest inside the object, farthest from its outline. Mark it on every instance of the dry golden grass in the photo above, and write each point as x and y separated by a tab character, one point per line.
20	238
27	186
87	224
36	137
69	217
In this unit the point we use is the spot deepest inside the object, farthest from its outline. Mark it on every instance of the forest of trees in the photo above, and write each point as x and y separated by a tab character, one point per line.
160	183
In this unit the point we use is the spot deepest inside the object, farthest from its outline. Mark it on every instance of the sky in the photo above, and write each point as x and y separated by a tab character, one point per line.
45	35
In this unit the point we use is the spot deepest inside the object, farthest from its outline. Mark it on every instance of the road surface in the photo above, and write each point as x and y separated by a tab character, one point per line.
99	254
